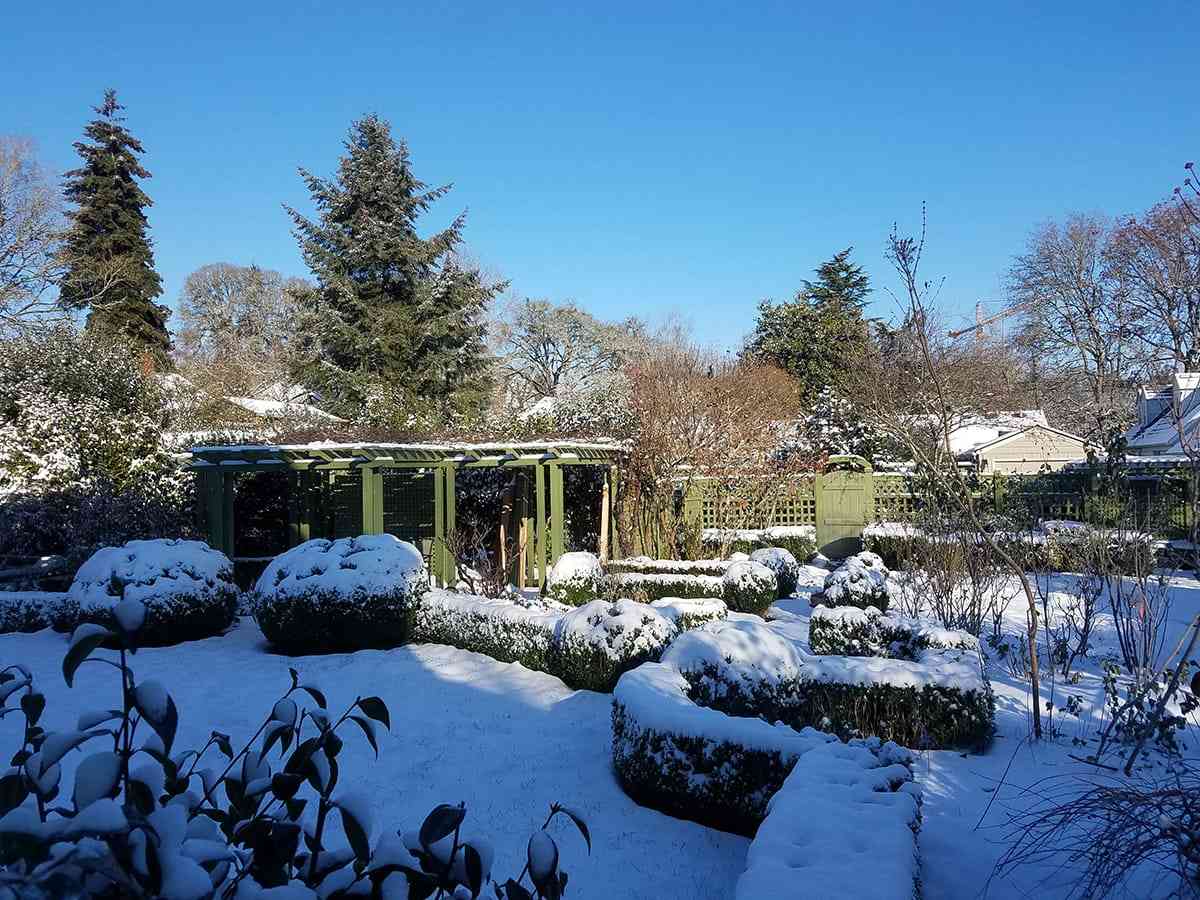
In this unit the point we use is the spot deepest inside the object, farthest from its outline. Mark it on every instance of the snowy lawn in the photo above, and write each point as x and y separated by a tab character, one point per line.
503	739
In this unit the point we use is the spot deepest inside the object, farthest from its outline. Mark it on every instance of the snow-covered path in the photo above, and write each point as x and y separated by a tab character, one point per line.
502	739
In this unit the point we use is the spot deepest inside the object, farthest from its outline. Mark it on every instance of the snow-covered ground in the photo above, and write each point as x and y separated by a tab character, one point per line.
508	741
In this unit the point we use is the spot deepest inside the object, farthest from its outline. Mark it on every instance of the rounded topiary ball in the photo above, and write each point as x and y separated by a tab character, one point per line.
861	580
186	587
749	587
783	564
575	579
347	594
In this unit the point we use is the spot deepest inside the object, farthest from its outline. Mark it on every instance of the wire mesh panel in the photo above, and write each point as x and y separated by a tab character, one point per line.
343	512
408	505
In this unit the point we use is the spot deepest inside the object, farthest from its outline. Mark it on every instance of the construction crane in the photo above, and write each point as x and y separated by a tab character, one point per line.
981	320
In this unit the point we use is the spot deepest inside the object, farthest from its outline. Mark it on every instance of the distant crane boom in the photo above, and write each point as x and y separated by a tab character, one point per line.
981	320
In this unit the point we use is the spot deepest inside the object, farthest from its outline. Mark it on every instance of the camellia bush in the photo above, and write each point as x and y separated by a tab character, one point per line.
186	588
146	820
347	594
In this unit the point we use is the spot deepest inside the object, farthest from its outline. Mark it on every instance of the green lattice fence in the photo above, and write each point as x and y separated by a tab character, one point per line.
720	504
895	500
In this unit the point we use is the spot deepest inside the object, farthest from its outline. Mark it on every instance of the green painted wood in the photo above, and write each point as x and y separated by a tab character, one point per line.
439	554
227	499
845	502
528	526
214	500
372	502
540	491
449	513
557	532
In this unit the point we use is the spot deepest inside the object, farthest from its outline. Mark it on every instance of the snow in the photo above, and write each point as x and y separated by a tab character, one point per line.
280	409
506	740
357	567
729	535
684	608
836	829
149	570
710	585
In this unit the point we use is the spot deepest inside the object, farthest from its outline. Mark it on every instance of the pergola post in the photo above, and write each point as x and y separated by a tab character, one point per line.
614	545
372	501
604	517
540	474
557	532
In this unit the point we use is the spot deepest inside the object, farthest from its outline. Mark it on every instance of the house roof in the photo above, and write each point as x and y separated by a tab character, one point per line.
978	430
281	409
1163	432
1012	435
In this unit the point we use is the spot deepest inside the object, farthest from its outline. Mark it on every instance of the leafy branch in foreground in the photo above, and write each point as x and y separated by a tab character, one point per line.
144	821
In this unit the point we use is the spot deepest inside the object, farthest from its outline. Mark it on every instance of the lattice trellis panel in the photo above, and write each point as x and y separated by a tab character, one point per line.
894	499
725	506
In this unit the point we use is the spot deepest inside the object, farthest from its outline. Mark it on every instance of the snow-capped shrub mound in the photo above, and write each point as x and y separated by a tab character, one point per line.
749	586
691	612
862	581
575	579
850	631
341	595
644	565
656	586
699	763
599	641
783	564
746	668
799	540
26	611
187	588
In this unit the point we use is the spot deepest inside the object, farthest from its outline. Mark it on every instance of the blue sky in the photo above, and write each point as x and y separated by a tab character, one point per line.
647	159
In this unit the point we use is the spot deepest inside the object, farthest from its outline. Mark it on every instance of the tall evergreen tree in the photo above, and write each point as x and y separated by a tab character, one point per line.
108	254
817	335
393	314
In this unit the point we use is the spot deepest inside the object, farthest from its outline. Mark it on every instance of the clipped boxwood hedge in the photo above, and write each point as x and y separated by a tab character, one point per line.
28	611
849	631
348	594
500	629
574	579
701	764
799	540
186	587
745	586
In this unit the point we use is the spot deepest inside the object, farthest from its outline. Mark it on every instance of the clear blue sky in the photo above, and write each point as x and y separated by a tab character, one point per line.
642	159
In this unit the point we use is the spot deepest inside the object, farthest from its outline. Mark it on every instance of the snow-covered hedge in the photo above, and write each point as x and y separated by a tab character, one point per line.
341	595
699	763
587	647
799	540
691	612
596	643
1053	547
498	628
744	668
850	631
783	564
26	611
861	581
837	829
644	565
187	588
745	586
575	579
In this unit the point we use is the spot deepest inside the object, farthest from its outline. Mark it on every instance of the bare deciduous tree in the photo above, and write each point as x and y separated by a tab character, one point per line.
30	224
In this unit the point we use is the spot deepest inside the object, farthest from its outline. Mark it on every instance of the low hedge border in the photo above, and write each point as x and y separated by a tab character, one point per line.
799	540
941	700
27	611
644	565
745	586
588	647
1062	548
698	763
694	612
850	631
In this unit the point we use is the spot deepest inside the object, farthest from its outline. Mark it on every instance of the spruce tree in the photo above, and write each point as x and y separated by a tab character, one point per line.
393	314
816	336
107	251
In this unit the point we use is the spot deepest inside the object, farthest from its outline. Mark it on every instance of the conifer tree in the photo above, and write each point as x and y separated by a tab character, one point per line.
109	261
393	314
816	336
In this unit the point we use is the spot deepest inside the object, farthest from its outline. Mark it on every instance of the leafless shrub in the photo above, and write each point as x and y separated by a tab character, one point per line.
477	562
1130	840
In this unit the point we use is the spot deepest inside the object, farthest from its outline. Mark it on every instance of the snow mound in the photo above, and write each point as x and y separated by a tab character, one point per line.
349	567
862	580
575	578
783	564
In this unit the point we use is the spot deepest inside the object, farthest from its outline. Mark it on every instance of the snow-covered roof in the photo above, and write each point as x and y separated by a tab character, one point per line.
976	431
1168	417
281	409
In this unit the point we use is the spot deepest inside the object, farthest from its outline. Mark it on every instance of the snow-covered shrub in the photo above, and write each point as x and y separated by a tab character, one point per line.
575	579
186	587
341	595
799	540
644	565
595	643
657	586
893	542
850	825
744	668
26	611
499	628
82	458
783	564
698	763
862	581
691	612
749	587
143	820
851	631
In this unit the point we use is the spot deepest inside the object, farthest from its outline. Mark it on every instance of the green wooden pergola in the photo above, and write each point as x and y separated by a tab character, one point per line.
338	490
